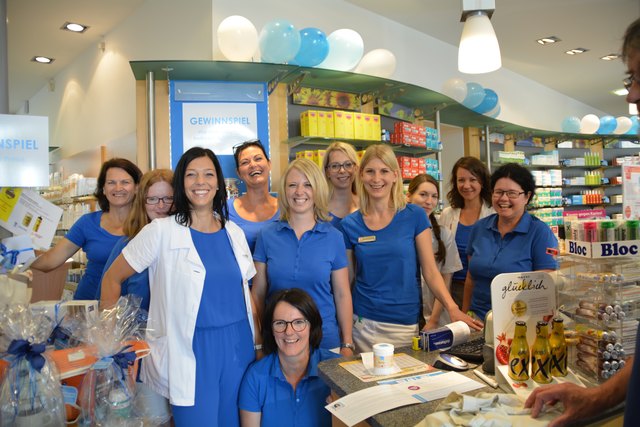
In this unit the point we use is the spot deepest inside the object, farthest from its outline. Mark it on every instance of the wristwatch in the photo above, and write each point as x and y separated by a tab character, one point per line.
348	345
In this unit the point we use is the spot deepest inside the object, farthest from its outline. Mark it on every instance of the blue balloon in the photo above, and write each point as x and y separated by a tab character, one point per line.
571	124
475	95
279	41
314	48
495	112
607	125
488	103
634	126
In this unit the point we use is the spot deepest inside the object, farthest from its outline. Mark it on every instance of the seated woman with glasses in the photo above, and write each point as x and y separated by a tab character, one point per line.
509	241
283	388
256	208
302	250
340	166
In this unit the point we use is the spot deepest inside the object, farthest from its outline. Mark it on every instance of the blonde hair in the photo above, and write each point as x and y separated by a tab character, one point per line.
138	215
351	154
384	153
318	184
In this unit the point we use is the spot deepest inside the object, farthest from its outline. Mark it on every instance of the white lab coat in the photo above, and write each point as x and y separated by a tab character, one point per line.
176	280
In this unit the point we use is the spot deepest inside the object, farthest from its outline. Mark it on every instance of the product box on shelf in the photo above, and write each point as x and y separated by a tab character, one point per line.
359	131
318	157
309	123
325	124
343	124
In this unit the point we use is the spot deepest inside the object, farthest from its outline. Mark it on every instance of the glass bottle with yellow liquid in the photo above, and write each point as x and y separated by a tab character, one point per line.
519	353
541	355
558	347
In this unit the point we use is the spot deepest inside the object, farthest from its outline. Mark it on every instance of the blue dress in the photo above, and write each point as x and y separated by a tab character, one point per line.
138	284
307	264
97	243
265	389
222	342
251	228
387	288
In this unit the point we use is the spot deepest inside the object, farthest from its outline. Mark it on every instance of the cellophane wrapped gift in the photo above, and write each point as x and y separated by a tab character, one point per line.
108	388
30	391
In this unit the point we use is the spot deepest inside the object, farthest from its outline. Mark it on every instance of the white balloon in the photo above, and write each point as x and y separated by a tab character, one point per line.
589	123
624	124
345	50
455	88
378	62
237	38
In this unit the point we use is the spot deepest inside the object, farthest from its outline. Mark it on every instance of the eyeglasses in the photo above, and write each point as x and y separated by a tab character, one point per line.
335	167
510	194
252	142
628	82
167	200
297	325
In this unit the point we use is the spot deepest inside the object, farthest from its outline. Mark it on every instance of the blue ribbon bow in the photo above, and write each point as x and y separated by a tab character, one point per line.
10	257
124	359
31	352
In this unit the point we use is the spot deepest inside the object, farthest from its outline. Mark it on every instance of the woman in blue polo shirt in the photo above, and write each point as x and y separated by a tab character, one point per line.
386	241
283	388
509	241
304	250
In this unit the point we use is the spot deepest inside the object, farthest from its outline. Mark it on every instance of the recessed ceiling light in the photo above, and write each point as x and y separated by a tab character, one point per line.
548	40
576	51
620	92
42	59
610	57
74	27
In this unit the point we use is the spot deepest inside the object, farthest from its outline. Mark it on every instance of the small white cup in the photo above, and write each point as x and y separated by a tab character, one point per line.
383	359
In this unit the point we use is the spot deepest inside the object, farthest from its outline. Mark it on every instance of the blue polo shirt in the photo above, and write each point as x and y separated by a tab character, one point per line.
306	264
521	250
138	283
387	288
631	407
251	229
265	389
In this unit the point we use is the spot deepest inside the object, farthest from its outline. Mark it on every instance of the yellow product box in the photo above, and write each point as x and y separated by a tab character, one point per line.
359	131
376	127
343	124
325	124
360	154
305	154
309	123
318	157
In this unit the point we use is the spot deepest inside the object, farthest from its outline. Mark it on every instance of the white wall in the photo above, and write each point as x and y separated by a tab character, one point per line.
93	102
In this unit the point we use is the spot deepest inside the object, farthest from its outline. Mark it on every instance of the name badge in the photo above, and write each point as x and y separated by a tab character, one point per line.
366	239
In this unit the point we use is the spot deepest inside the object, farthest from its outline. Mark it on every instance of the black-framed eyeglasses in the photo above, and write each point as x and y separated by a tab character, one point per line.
335	167
167	200
297	325
245	144
512	194
628	82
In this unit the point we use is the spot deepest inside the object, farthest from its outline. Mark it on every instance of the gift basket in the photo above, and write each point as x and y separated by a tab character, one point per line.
108	388
30	392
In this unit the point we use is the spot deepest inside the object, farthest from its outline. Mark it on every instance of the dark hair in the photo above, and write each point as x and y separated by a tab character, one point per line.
303	302
477	169
518	174
631	39
441	253
124	164
238	149
181	203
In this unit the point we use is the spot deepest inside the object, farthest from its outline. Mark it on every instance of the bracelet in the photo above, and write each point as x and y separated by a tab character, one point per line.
257	347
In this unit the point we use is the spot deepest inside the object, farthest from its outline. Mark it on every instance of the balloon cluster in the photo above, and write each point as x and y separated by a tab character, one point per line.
473	96
280	42
605	125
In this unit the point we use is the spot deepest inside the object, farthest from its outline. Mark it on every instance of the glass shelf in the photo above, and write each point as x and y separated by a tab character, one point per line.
408	95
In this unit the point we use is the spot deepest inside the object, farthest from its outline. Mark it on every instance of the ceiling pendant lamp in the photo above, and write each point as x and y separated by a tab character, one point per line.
479	51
